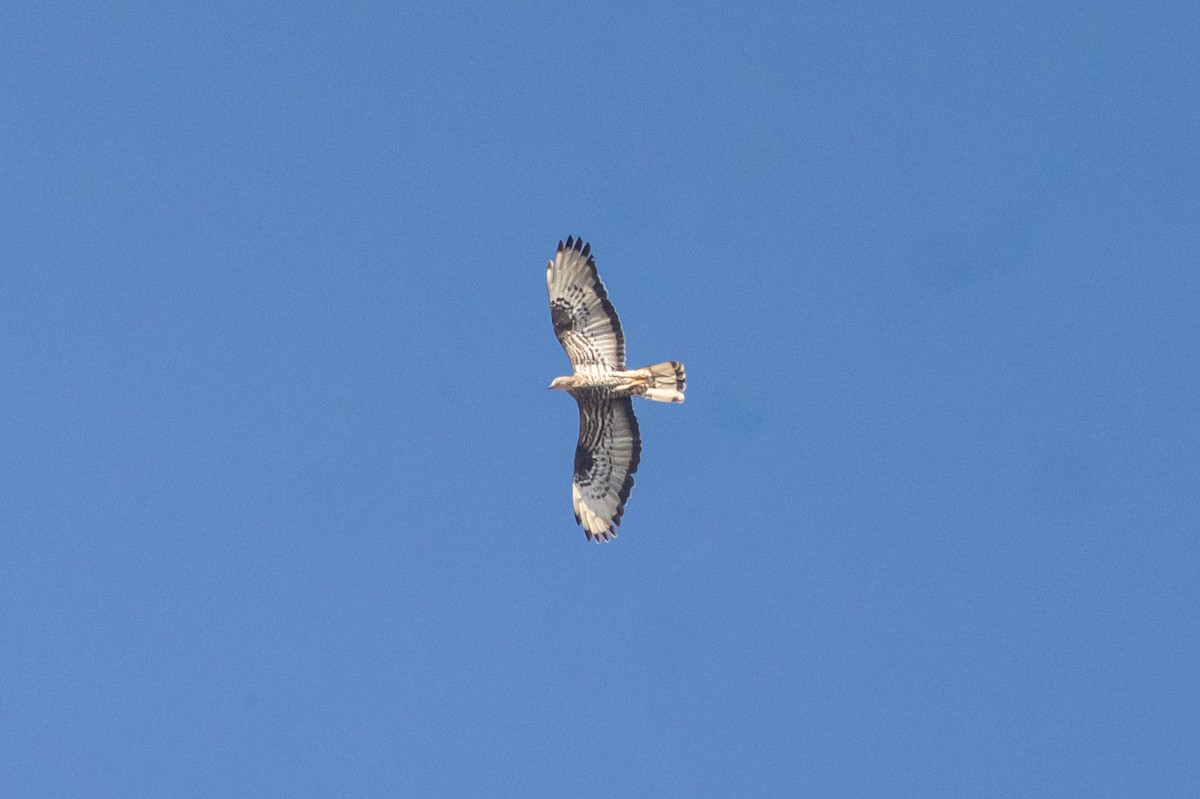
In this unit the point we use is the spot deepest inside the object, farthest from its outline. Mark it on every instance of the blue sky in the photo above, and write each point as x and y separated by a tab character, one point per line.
285	503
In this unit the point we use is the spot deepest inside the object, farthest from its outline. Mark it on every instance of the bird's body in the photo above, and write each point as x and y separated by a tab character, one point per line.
653	382
609	447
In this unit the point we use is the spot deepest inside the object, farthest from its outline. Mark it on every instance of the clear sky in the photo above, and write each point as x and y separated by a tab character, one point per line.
285	503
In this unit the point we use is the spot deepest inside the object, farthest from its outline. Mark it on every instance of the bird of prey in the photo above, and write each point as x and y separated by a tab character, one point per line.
609	446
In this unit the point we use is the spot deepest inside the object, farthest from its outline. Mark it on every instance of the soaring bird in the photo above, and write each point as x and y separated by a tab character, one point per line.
609	446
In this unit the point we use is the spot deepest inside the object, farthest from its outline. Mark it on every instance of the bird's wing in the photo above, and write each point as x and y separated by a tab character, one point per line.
606	457
584	320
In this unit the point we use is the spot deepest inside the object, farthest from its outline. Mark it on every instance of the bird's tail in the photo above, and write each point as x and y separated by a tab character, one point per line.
665	382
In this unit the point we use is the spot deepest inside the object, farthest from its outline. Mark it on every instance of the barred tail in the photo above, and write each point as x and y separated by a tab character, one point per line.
665	382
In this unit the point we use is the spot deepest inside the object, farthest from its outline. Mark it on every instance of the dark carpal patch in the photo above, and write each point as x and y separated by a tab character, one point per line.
560	315
583	465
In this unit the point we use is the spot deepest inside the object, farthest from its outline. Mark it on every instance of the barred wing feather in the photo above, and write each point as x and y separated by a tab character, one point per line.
584	320
606	456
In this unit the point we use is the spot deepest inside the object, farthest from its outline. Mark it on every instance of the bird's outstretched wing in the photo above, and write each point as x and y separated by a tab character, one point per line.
584	320
606	457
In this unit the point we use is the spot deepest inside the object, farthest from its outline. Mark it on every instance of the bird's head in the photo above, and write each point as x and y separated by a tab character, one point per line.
561	383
